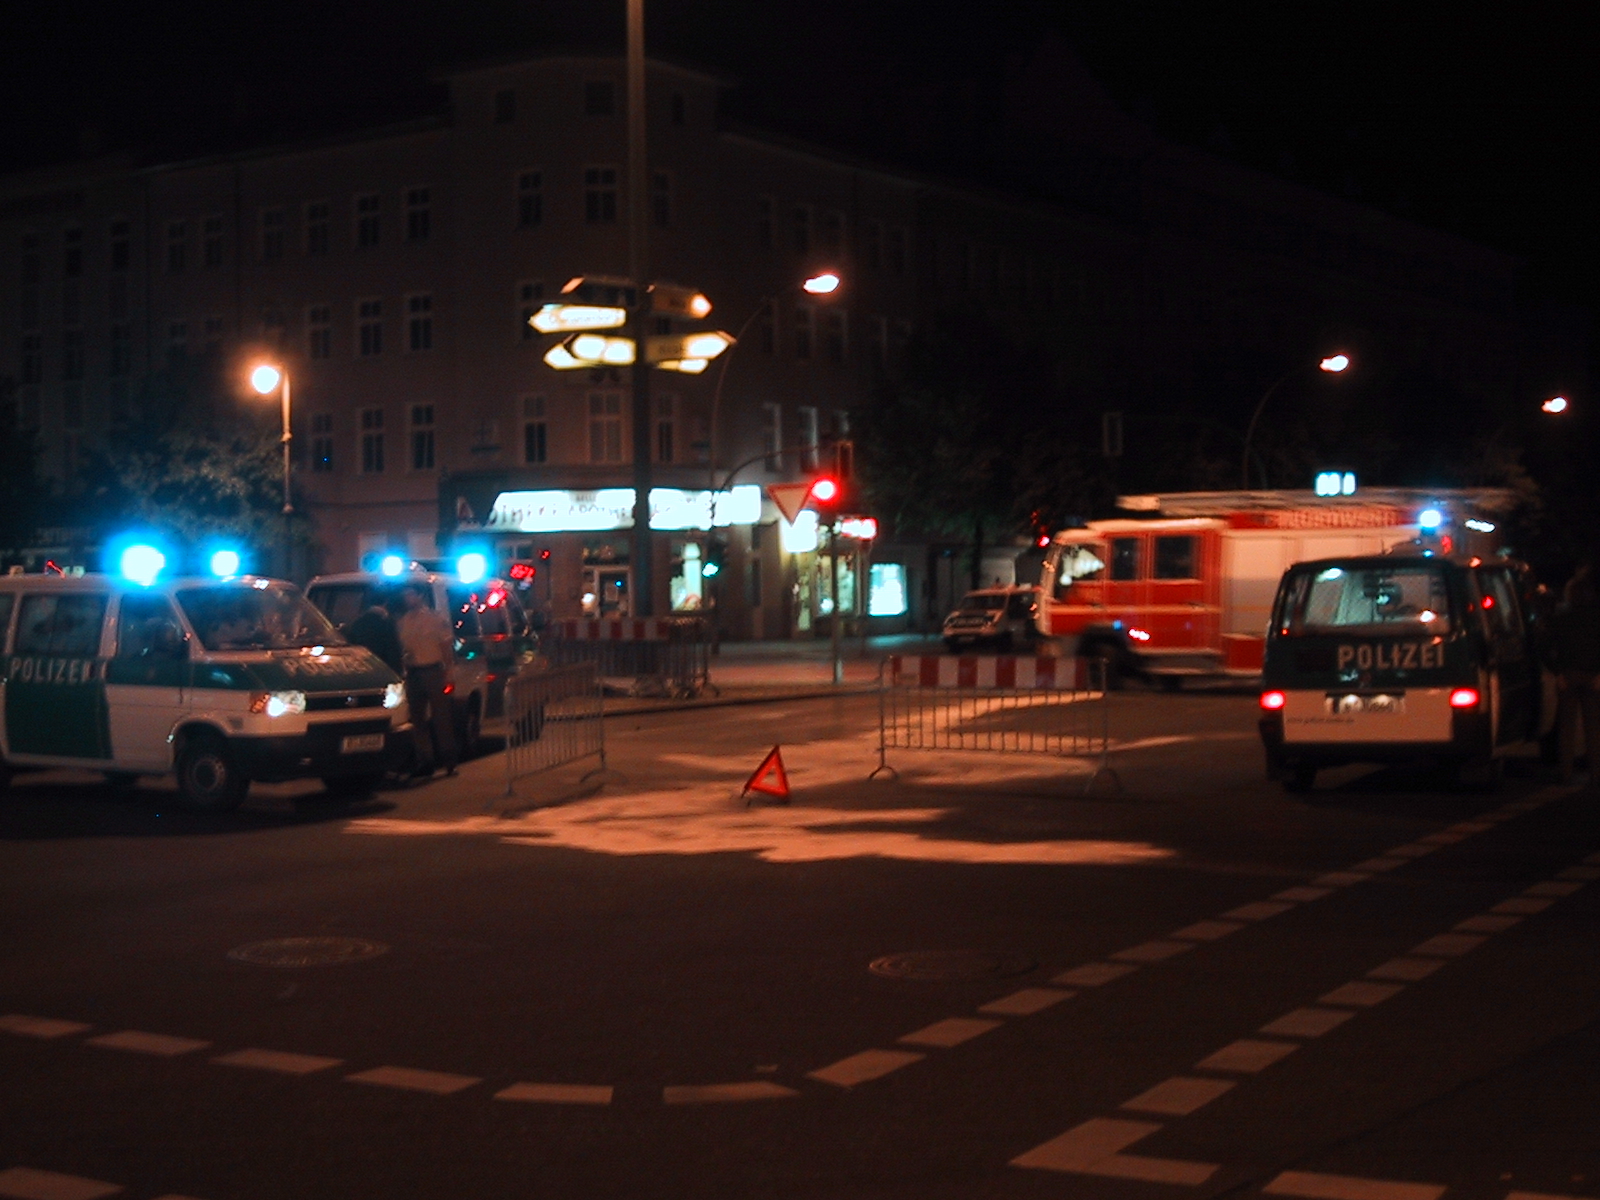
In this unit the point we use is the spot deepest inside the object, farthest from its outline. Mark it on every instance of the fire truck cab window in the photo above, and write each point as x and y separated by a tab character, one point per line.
1124	558
1175	558
1078	562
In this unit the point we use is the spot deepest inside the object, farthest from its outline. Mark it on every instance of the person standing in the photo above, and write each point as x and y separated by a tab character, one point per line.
375	630
1577	651
427	645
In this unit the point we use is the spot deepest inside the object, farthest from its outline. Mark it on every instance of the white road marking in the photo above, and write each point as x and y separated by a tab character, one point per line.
278	1060
41	1027
1092	1149
1552	887
1521	906
148	1043
1094	974
1178	1096
557	1093
1156	951
1341	878
725	1093
1260	910
1541	1196
863	1067
1207	931
1303	894
1410	850
1026	1002
1407	970
1360	994
1471	827
950	1032
1449	945
1348	1187
1381	864
1486	924
410	1079
1247	1056
1307	1022
27	1183
1445	837
1154	1170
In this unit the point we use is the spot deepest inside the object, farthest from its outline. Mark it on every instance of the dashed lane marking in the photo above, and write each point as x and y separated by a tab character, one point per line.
1208	931
278	1060
1026	1002
1406	970
1307	1022
1341	878
1485	923
1348	1187
41	1027
1157	951
1411	850
1178	1096
864	1067
1553	887
557	1093
1259	910
1382	863
410	1079
28	1183
950	1032
1094	974
1301	895
1445	837
1449	945
1360	994
724	1093
148	1043
1094	1147
1521	906
1247	1056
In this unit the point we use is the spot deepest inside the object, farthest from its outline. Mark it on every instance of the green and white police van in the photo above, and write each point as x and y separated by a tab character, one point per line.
1402	657
219	681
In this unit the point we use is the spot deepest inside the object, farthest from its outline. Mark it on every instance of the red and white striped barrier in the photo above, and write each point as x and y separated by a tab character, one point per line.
987	671
638	629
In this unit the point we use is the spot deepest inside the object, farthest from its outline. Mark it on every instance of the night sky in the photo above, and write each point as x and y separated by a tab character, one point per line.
1478	119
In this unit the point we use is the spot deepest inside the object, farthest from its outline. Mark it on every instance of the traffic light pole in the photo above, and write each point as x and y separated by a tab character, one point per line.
837	615
643	549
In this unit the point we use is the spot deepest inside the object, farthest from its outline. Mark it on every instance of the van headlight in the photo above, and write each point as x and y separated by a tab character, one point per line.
278	704
394	695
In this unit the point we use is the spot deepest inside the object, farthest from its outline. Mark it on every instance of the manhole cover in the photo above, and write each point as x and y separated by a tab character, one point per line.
950	966
307	951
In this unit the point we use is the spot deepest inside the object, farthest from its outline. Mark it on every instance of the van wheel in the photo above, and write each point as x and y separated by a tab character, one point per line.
1301	777
208	778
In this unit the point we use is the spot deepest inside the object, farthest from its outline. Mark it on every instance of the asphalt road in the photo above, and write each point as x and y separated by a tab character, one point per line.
1189	985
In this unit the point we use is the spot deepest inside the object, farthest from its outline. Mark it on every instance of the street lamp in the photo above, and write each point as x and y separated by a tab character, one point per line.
265	378
1333	364
1556	404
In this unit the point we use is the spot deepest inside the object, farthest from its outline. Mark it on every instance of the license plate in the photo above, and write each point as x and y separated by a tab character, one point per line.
361	743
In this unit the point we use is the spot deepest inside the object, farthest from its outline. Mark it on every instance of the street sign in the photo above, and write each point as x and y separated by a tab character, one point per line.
610	291
790	498
678	301
681	347
574	318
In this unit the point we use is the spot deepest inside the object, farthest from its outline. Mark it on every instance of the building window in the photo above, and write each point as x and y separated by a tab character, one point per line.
120	246
810	437
599	98
72	354
121	360
830	232
872	244
530	299
666	410
835	335
530	199
802	228
772	434
600	195
369	328
767	328
177	341
271	234
419	322
322	443
177	245
661	198
505	106
764	210
422	437
318	216
372	441
319	331
605	427
419	215
369	210
802	331
535	431
211	242
72	252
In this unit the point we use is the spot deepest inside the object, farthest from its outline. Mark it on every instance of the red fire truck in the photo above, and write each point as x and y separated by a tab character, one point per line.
1186	590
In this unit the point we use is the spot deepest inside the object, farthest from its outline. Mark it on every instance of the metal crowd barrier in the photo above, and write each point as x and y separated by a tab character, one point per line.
674	663
1021	706
554	716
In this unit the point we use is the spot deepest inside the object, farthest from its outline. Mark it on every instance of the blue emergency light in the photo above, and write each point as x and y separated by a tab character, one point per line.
392	565
1430	518
225	563
141	563
471	567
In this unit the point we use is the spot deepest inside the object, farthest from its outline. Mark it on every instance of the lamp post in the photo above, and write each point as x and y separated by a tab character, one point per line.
1333	365
265	378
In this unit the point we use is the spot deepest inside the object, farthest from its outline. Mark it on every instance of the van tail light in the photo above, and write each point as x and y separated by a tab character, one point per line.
1273	701
1464	698
449	689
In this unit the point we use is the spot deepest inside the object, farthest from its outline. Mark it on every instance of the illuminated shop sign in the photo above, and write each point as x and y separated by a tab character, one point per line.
562	511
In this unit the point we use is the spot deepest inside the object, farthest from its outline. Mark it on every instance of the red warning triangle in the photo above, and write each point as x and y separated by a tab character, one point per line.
769	777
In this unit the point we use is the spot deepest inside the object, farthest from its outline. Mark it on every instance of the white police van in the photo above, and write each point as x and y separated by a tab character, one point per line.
218	681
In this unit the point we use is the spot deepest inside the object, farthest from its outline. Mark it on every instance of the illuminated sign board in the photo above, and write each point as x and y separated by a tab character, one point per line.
605	509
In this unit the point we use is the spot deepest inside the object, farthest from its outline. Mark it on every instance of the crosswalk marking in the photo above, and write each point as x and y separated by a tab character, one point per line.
1407	970
278	1060
1361	994
410	1079
1308	1022
1247	1056
1301	895
1449	945
1259	910
1486	923
1094	974
863	1067
1340	878
27	1183
1313	1186
557	1093
1026	1002
1208	931
1381	863
1522	906
1178	1096
148	1043
723	1093
1553	887
41	1027
1093	1148
1157	951
950	1032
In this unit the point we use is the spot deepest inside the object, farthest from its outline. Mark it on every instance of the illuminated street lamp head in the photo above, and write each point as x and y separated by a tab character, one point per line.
1556	404
265	378
1334	363
821	285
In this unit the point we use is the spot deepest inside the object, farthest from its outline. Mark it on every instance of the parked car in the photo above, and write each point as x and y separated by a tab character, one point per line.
1004	617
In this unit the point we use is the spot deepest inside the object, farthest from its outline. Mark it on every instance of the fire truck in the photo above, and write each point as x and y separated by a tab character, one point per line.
1184	590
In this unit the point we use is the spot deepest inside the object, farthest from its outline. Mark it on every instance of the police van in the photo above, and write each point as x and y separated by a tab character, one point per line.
218	681
1400	657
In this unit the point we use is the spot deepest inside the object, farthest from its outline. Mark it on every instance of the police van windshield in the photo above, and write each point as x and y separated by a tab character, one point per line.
255	618
1399	599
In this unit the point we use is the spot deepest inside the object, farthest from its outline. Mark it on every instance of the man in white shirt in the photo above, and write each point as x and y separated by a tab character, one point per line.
428	652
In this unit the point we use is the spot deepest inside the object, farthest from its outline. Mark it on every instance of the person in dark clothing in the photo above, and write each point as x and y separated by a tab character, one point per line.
375	629
1576	638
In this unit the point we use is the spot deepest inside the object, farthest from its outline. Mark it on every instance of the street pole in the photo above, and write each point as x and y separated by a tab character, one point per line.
643	550
288	504
838	615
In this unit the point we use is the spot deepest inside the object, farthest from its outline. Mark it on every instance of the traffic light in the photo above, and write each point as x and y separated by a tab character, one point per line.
826	498
716	555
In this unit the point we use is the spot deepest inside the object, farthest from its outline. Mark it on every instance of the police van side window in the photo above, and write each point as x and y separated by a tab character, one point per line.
56	623
1500	605
7	602
147	627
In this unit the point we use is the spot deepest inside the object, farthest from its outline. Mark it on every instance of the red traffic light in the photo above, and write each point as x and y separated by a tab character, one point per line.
824	491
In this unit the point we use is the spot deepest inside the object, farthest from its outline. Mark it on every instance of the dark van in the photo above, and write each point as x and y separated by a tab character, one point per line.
1396	658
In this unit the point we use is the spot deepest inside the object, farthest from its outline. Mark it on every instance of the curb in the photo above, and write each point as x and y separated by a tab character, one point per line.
634	707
